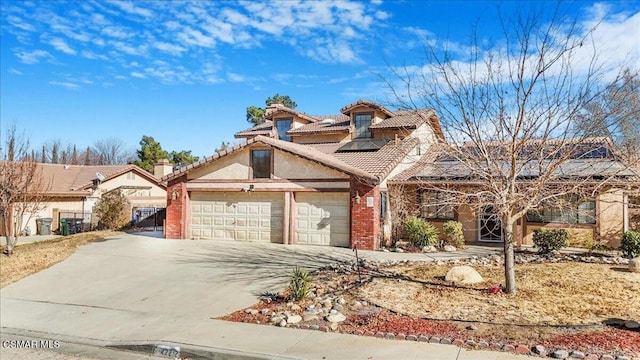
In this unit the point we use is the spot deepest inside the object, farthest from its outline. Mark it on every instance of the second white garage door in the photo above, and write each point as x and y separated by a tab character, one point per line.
237	216
322	219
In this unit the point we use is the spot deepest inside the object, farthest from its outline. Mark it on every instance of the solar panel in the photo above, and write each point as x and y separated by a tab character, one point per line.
363	145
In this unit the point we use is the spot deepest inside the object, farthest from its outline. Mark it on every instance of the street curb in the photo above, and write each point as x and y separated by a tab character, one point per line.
144	347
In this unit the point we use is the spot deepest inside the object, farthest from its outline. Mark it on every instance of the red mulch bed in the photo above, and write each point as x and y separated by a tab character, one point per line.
595	341
598	342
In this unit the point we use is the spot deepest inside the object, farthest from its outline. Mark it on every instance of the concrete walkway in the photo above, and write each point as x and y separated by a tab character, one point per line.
137	290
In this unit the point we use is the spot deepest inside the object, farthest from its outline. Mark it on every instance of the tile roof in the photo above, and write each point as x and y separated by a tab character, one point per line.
378	163
342	124
438	165
274	108
265	128
74	180
346	109
300	150
405	119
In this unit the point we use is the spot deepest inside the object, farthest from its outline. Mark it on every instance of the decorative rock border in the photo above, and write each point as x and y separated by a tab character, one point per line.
525	257
520	349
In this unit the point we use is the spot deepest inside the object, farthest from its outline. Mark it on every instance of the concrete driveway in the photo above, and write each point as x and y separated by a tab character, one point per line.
136	288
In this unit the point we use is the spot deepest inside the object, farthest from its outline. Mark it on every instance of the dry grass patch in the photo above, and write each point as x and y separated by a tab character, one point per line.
30	258
548	294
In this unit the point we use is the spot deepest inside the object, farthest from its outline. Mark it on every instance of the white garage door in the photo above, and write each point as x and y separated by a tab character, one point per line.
322	219
250	216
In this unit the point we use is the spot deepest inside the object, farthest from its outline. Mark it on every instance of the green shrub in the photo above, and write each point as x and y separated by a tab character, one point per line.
421	233
630	245
549	240
299	284
453	233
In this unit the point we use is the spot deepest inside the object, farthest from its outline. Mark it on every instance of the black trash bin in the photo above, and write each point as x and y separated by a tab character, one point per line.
44	226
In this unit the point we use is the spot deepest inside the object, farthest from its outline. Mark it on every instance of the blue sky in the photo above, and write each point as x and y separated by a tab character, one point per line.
184	72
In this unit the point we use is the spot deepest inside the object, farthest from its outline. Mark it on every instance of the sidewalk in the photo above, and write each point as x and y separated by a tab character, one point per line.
216	339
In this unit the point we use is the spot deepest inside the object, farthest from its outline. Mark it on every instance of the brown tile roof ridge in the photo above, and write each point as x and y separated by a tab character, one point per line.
405	119
271	110
74	179
322	127
345	109
262	129
300	150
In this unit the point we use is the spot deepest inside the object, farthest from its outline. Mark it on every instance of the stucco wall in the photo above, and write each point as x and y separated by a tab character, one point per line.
133	179
610	209
285	166
233	166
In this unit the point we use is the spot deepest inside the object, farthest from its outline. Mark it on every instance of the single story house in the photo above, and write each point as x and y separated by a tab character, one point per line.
592	182
71	191
302	179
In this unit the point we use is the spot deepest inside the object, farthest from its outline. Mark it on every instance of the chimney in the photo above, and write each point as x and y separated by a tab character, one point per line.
162	168
272	108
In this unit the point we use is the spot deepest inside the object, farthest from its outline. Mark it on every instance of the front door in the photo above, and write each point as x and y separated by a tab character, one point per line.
489	225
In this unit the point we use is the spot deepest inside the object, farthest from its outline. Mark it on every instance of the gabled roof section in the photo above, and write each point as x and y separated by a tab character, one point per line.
411	119
347	109
265	128
77	180
378	163
276	108
338	124
299	150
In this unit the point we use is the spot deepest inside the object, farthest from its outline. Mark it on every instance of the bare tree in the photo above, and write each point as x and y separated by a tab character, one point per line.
112	151
509	110
22	188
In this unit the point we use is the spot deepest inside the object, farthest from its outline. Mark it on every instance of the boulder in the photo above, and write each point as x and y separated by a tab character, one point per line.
463	275
334	318
634	264
429	249
450	248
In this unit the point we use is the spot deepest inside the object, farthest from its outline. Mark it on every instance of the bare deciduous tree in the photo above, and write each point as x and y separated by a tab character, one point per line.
22	188
509	110
112	151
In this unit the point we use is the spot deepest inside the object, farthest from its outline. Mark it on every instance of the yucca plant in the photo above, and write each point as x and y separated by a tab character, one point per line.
299	284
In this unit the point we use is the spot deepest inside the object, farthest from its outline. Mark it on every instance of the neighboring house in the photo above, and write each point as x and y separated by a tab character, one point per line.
602	217
302	179
71	191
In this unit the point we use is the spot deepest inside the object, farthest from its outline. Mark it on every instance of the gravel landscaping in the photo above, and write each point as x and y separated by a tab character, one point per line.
581	306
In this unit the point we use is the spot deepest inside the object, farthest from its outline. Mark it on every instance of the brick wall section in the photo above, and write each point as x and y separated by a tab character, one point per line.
365	221
176	209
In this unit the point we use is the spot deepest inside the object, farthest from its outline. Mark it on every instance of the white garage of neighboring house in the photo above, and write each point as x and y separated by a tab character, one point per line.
300	196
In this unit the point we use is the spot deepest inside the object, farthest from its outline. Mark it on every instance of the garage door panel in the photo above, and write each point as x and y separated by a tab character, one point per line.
237	216
322	219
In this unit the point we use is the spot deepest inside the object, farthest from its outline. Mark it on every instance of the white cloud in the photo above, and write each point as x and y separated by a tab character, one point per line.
138	75
233	77
132	9
169	48
32	57
116	32
382	15
14	71
62	45
64	84
20	23
195	37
